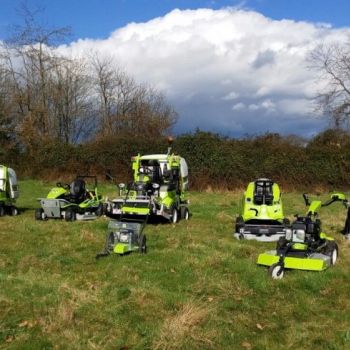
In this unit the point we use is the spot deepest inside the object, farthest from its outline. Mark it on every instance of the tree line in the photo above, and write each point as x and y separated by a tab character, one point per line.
47	97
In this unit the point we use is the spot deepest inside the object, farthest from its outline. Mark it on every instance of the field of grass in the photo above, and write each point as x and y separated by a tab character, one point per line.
197	288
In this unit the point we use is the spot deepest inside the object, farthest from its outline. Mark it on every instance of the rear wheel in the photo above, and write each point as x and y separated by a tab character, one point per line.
142	244
276	271
175	216
184	213
2	210
70	214
332	251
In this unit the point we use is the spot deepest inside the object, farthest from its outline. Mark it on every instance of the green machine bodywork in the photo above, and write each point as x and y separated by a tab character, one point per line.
8	191
305	246
261	215
159	188
71	201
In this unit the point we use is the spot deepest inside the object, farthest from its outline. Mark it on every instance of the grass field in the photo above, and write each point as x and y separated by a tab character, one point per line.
197	288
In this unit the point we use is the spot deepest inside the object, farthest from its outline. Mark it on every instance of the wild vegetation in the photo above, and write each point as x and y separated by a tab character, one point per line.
197	288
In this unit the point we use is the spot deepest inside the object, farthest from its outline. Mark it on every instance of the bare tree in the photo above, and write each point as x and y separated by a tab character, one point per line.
127	107
332	62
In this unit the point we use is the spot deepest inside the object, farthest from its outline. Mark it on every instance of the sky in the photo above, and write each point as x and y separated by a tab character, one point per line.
233	67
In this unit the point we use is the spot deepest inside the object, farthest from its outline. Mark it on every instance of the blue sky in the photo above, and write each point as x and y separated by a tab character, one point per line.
233	67
98	18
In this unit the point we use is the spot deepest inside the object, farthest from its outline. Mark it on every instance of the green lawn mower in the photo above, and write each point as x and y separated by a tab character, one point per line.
262	216
159	188
71	201
124	237
305	246
8	191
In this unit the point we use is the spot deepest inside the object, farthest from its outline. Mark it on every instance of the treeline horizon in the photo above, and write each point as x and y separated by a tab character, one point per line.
215	161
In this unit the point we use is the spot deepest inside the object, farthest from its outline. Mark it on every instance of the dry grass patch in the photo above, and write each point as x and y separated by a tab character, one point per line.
184	327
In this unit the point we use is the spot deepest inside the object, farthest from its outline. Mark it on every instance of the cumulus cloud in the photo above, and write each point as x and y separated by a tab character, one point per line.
230	70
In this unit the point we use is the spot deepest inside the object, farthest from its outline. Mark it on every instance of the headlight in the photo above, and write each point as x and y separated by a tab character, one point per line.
288	232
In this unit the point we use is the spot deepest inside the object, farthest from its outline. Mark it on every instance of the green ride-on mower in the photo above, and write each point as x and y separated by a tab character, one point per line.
159	189
8	191
262	216
305	246
71	201
124	237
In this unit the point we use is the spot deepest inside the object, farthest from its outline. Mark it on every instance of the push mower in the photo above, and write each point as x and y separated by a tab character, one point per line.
125	237
262	216
71	201
8	191
305	246
159	188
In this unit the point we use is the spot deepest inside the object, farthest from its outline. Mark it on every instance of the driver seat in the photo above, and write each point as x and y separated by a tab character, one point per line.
78	191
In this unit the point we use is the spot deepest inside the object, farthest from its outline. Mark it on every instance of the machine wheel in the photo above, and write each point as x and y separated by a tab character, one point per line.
276	271
99	210
39	213
184	213
14	211
142	244
2	210
332	252
281	243
175	216
70	215
239	224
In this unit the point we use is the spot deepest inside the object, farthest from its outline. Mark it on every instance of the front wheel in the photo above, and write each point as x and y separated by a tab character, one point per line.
14	211
70	215
2	210
276	271
39	214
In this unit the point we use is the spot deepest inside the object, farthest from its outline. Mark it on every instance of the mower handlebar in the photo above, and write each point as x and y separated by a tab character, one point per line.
306	199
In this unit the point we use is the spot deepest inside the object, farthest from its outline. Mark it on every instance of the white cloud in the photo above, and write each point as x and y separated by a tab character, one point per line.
204	59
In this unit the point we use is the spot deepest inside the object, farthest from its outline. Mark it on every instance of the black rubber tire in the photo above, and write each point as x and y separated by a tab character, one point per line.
142	244
70	214
281	243
239	224
184	213
14	211
99	210
2	210
39	213
174	216
332	251
276	271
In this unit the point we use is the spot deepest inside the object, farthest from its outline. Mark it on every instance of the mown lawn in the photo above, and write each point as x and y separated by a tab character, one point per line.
197	288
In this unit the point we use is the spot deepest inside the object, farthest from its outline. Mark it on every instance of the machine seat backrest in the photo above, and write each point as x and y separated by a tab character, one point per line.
77	190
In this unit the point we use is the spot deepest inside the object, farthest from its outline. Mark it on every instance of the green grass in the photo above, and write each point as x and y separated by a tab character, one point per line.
197	288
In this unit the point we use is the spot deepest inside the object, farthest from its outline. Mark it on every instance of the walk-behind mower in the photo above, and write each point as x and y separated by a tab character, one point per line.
8	191
158	189
124	237
305	246
262	216
71	201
